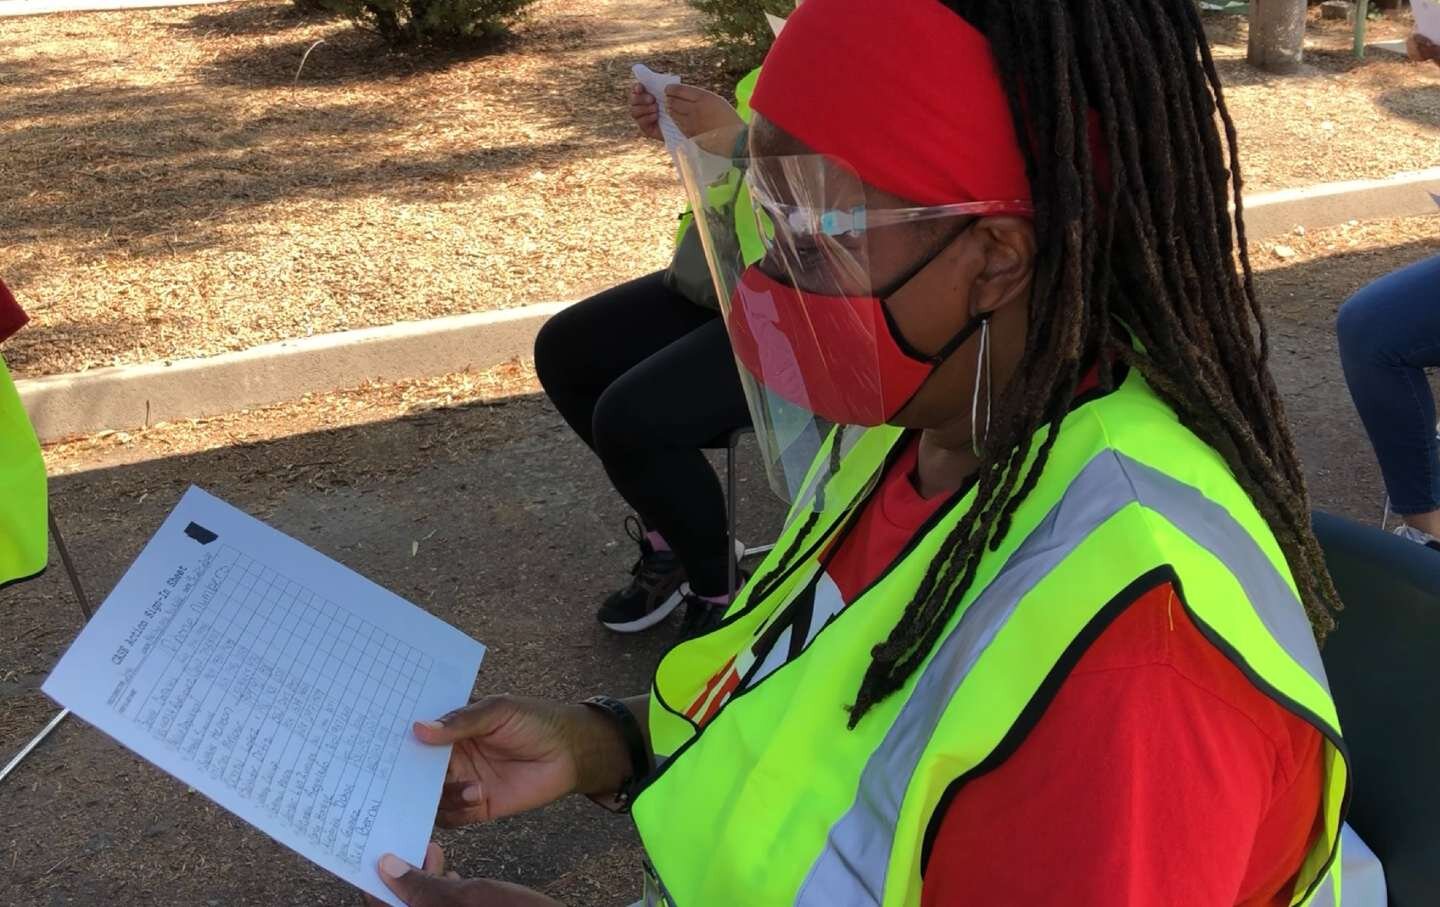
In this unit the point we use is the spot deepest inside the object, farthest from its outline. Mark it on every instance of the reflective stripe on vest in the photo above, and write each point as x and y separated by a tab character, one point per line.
24	542
858	848
774	801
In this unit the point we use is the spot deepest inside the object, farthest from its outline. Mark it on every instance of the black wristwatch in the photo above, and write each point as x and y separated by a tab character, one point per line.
624	720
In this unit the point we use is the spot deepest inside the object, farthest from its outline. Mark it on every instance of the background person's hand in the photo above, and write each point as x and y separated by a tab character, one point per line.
513	754
432	886
697	111
645	111
1420	47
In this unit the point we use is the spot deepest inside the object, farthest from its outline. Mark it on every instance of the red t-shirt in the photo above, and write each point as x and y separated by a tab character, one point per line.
1157	776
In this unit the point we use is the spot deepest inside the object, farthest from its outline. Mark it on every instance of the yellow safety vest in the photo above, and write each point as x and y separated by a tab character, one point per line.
774	801
24	545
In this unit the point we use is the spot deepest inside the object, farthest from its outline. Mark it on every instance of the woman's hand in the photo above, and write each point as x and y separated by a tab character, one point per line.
645	111
697	111
513	754
1420	47
432	886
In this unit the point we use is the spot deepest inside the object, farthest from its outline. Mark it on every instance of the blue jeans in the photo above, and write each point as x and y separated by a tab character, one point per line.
1389	334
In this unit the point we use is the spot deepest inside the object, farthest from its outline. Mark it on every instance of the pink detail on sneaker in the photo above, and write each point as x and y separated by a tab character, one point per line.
657	541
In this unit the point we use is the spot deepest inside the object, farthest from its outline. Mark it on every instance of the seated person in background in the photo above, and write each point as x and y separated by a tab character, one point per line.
1045	634
646	377
1389	334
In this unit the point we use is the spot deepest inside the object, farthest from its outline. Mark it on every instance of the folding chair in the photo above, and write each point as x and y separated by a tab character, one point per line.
1385	678
85	609
732	506
24	516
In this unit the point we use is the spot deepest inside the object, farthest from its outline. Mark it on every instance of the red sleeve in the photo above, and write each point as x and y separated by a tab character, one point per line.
12	317
1157	777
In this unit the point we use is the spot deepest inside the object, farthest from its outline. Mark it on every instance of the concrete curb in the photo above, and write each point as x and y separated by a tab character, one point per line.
1403	195
133	396
42	7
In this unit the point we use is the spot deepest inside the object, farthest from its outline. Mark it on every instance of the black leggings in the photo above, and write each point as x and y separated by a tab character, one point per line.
647	379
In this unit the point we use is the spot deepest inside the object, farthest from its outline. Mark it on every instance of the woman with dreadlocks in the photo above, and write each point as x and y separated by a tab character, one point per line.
1042	626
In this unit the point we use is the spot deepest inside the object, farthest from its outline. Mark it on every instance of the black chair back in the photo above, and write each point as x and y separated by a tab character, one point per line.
1384	668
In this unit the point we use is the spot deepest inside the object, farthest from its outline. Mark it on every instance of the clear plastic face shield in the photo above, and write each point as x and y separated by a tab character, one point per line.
805	258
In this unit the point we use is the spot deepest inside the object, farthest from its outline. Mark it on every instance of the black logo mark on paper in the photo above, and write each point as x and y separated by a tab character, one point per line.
200	534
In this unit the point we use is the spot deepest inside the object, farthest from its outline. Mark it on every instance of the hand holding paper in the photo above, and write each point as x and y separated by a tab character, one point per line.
656	83
277	683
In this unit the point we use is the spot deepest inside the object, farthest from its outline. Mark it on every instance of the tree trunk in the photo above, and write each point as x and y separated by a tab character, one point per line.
1277	35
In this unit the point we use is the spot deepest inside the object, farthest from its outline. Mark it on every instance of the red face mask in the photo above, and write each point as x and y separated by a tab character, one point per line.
840	357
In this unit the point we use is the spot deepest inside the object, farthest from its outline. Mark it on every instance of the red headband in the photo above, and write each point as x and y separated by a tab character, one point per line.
906	93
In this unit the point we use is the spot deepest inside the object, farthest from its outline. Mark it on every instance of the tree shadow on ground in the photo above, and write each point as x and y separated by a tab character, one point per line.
38	342
21	73
353	55
159	169
253	19
345	56
152	168
1418	103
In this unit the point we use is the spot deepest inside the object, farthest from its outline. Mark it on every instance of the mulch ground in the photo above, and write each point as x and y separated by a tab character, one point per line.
170	187
1339	118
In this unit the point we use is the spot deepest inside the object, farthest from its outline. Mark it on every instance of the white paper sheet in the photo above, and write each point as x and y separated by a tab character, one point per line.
656	83
1427	18
776	24
277	683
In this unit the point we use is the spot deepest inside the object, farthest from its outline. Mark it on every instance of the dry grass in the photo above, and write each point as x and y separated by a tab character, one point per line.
1420	233
1338	119
166	191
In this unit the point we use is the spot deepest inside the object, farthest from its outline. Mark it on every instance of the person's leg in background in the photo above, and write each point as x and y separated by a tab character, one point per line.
579	355
650	428
1389	334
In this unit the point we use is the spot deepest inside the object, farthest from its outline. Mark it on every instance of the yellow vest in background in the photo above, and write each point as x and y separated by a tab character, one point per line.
24	541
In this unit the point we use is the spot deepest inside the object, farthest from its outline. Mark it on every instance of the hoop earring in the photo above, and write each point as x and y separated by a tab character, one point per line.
982	367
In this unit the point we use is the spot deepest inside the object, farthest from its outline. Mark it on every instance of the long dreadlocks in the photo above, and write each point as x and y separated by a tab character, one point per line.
1156	251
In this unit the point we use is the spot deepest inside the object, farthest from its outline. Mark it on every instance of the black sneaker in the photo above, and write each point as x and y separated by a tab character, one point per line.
702	616
653	593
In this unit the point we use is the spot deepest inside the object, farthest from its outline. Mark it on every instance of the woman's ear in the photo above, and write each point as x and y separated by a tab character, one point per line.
1007	245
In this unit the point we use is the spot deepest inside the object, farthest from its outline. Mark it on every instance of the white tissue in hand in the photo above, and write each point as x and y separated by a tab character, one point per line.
656	83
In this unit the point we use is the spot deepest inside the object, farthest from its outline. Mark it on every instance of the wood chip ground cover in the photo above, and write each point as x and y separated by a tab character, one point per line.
169	188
